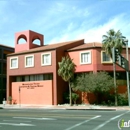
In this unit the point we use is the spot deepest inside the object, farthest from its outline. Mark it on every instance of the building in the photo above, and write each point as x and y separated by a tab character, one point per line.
91	58
34	67
32	70
4	50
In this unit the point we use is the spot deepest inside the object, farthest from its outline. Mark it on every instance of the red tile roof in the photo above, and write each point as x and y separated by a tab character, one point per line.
46	47
86	46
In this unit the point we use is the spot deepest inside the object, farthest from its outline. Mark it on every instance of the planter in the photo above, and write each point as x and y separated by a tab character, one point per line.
10	100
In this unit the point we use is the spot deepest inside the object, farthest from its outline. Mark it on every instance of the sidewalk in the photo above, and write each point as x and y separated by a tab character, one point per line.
65	107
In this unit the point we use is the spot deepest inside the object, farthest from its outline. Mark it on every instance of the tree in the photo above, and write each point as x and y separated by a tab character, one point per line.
66	71
113	39
98	83
117	40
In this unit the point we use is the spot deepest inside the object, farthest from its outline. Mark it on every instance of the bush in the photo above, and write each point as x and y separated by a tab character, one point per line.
122	99
9	98
66	97
75	96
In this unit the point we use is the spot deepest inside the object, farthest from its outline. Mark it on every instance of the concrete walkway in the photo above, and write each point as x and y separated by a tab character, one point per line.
66	107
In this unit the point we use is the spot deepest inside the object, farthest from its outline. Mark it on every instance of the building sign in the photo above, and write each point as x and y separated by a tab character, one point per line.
31	85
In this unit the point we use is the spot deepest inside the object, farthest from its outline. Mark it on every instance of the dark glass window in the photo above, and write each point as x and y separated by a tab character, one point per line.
0	53
0	68
105	57
4	68
34	77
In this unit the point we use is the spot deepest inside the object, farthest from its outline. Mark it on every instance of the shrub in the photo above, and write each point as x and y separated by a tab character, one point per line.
122	99
75	96
66	97
9	98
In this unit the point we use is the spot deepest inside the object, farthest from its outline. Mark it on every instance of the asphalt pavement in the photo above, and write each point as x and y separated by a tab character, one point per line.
63	119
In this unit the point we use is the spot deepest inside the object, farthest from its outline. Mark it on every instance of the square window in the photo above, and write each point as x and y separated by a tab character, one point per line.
46	59
85	57
105	58
29	61
13	62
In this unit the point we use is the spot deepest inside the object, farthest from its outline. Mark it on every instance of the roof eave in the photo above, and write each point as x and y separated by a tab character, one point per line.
78	49
28	52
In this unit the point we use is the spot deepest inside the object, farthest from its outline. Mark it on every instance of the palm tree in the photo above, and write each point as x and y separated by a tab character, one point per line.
117	40
66	71
113	39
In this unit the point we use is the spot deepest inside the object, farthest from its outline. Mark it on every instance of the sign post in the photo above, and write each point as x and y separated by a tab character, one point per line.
123	63
19	97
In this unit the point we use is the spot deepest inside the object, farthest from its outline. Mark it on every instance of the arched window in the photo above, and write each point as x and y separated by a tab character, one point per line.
37	42
22	39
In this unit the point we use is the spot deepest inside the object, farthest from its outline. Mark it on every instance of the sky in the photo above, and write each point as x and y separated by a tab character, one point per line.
64	20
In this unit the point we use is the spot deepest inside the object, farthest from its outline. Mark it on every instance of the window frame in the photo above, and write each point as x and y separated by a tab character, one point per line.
107	62
26	66
11	58
90	60
44	64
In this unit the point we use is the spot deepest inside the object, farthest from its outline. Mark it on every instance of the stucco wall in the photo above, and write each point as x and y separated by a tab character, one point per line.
96	64
37	69
35	92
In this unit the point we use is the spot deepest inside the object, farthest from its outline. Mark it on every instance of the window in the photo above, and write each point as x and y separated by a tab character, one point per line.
27	78
4	68
18	79
38	77
13	62
105	58
47	77
46	59
1	53
85	57
29	61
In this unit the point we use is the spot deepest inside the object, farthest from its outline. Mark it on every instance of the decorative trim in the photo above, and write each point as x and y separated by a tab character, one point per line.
90	57
11	58
105	62
45	64
26	66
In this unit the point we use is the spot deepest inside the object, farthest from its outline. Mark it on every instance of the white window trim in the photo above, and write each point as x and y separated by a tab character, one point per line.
90	57
26	66
107	62
16	64
42	59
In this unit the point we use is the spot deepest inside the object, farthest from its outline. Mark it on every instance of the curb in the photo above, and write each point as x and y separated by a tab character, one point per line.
89	109
92	109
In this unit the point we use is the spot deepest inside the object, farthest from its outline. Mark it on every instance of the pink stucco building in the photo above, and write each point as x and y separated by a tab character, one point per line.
32	69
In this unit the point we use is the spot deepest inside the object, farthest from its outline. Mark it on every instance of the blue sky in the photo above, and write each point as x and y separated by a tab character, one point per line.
64	20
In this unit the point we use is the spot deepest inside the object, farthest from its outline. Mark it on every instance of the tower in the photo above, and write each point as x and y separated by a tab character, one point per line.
29	37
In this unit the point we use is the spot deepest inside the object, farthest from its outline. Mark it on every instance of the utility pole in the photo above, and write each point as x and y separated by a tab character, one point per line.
115	86
115	57
123	63
127	72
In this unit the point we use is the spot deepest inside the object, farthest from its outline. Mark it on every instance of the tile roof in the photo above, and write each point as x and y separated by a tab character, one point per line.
47	47
86	45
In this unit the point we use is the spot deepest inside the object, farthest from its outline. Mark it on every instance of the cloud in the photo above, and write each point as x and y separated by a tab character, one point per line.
94	34
61	21
117	23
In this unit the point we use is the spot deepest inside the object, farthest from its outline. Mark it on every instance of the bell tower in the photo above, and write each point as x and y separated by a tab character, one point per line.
29	38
